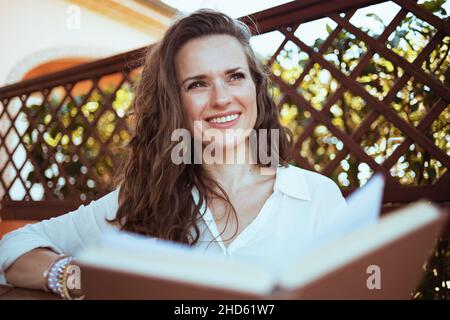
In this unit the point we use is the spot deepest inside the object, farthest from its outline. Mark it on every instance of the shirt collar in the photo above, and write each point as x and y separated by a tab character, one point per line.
291	181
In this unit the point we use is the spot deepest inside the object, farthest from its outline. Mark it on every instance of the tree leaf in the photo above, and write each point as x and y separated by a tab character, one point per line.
376	17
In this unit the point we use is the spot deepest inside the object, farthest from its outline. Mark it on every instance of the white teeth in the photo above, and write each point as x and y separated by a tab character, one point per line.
224	119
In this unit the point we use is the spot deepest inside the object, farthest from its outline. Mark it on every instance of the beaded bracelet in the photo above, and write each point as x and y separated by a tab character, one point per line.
65	290
54	274
65	280
63	284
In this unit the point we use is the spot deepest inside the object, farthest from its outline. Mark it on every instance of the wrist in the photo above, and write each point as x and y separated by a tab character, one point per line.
53	275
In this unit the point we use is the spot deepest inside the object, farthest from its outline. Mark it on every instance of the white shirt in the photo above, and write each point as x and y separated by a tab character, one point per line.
298	208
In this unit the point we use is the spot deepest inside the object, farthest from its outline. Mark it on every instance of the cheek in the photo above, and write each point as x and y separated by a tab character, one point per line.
192	107
248	99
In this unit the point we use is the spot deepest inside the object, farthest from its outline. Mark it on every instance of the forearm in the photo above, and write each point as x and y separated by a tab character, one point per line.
28	270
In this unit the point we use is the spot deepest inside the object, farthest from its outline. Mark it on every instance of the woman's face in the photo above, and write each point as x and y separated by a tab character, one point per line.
216	88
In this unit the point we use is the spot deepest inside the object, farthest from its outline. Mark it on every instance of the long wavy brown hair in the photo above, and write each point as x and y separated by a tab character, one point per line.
155	196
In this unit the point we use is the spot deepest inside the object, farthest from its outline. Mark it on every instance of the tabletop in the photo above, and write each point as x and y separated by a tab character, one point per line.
11	293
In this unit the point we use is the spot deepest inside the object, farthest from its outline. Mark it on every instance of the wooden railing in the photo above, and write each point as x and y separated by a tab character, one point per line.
61	134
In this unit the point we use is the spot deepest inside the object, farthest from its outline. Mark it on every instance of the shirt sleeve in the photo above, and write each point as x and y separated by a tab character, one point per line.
65	234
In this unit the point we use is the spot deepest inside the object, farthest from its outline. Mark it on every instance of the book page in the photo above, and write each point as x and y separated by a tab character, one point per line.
363	209
169	260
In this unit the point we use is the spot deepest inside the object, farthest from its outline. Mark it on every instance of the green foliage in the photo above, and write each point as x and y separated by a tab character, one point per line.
436	281
76	142
435	6
412	103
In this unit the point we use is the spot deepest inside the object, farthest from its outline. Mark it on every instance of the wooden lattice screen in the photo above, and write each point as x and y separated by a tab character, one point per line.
61	134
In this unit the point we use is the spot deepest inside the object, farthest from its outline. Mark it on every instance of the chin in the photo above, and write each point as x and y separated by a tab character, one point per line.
227	148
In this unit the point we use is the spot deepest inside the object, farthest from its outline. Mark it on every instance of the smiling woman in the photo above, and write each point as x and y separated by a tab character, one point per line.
218	90
202	76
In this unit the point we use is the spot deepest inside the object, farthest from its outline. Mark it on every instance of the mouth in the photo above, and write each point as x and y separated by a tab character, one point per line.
224	119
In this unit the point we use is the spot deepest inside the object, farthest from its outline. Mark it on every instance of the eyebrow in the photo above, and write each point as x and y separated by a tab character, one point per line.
203	76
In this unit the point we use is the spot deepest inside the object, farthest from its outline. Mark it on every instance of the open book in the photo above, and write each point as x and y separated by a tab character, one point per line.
360	256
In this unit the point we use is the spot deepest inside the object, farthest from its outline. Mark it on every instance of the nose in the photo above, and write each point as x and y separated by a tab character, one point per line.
221	96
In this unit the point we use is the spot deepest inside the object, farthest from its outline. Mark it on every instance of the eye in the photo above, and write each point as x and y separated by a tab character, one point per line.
195	84
237	76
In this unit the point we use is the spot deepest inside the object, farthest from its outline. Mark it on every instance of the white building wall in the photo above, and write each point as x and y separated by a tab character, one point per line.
33	32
